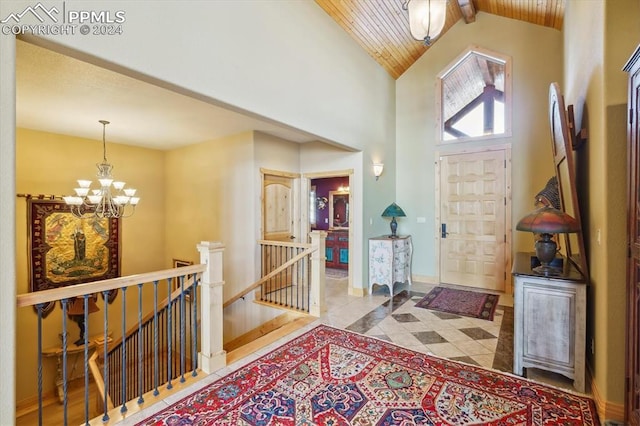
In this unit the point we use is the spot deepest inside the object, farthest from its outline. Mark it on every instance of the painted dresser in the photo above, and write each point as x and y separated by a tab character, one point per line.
389	261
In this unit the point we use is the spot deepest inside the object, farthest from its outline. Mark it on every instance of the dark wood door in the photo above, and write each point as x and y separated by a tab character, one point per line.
632	410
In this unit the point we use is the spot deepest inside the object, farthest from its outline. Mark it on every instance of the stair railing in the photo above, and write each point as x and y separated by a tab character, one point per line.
144	351
293	275
207	277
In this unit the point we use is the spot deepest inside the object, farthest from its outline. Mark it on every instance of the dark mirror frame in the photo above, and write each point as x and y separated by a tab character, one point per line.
339	204
565	173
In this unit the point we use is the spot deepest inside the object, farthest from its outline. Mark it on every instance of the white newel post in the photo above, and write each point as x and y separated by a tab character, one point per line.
317	305
211	357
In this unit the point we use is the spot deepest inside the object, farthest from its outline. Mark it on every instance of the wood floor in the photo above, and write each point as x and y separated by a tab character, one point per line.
53	410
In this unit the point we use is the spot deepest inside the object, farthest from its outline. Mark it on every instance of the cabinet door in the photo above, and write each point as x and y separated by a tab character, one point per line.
380	262
549	325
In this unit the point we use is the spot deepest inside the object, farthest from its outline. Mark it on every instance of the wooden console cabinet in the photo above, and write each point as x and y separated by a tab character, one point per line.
337	249
550	320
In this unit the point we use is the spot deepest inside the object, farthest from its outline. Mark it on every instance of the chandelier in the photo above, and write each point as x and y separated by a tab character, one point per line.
111	200
426	18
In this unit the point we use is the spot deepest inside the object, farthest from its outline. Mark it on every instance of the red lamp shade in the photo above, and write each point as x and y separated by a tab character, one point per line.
548	220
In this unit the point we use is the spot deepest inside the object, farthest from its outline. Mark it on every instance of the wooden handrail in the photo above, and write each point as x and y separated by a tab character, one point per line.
284	244
53	295
308	250
98	379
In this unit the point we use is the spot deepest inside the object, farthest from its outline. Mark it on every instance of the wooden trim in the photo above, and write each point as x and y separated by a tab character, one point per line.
280	173
284	244
335	173
358	292
606	410
261	342
30	299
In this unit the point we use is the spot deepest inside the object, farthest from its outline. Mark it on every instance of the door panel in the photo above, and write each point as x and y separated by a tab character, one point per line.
472	215
278	208
279	218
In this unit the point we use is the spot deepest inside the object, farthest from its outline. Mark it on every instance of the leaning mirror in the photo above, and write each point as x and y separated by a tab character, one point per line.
565	173
339	209
474	94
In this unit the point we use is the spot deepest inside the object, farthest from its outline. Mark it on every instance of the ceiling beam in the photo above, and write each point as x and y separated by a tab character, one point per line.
468	11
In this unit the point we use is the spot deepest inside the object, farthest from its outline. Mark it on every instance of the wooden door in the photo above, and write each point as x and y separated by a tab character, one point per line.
473	219
280	215
632	411
278	206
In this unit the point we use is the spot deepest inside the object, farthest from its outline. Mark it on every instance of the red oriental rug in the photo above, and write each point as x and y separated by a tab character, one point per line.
461	302
336	377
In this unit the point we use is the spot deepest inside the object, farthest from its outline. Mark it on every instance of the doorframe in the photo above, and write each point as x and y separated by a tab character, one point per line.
305	187
507	220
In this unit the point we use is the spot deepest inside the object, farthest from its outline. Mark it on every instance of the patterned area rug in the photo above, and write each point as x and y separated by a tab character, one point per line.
336	377
461	302
336	273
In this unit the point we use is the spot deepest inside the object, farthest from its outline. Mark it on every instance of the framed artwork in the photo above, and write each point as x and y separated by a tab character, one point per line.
177	263
66	250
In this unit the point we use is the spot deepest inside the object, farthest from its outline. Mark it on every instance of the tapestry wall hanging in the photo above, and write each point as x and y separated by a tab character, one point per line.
66	250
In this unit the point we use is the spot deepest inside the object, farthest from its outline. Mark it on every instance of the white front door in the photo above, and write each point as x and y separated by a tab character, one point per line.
473	219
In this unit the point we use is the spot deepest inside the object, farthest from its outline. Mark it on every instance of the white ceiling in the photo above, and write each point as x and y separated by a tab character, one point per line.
59	94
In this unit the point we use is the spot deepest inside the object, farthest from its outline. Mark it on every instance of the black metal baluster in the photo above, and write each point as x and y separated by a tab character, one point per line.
155	338
123	408
170	337
39	308
194	326
140	340
105	296
64	359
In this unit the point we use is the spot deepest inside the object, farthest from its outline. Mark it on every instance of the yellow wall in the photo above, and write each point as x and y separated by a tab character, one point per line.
214	193
599	37
49	163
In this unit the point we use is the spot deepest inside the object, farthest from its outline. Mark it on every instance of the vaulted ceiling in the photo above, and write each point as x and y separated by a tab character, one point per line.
381	27
56	101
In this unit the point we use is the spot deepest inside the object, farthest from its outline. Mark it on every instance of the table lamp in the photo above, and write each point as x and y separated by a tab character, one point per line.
75	310
547	221
393	211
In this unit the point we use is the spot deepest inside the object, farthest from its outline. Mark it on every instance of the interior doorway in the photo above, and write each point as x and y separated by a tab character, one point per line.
474	216
329	211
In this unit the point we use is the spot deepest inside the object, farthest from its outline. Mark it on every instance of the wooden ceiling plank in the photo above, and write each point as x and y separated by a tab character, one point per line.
341	16
401	33
381	33
381	27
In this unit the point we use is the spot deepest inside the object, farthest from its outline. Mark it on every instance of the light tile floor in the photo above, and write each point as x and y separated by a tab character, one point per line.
475	341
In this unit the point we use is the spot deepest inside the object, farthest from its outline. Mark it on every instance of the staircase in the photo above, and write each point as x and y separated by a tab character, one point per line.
180	341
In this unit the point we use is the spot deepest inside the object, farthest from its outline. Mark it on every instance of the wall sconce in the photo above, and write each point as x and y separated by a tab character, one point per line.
377	169
426	18
547	221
